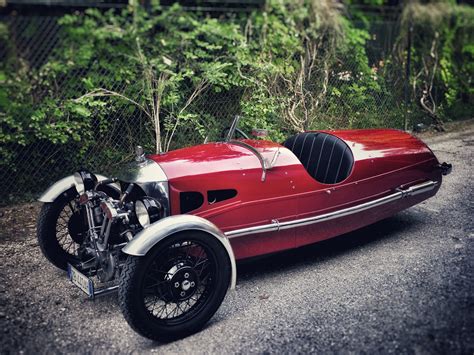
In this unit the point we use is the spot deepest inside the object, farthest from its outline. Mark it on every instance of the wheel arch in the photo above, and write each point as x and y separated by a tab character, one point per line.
166	227
60	186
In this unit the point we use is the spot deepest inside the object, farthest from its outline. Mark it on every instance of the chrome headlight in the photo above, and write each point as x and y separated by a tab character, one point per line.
84	181
148	211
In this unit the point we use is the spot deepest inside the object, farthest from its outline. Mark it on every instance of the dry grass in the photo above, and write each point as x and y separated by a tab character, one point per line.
434	13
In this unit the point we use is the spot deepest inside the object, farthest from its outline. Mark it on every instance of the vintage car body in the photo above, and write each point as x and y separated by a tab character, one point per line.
169	228
384	161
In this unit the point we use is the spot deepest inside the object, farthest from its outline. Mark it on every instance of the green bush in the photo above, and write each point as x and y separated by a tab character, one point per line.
167	78
442	54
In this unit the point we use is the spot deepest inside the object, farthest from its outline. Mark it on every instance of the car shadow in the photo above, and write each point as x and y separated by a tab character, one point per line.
384	230
389	229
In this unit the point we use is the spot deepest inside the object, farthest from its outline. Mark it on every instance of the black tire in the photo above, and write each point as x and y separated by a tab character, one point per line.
138	298
54	229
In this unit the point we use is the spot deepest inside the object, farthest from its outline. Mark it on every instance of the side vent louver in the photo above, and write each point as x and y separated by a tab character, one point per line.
214	196
190	201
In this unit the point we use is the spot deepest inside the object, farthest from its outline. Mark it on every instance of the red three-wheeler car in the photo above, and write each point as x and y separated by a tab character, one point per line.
168	229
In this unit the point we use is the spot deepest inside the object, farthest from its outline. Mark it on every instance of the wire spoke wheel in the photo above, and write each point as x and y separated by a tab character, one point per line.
66	233
179	280
176	287
60	229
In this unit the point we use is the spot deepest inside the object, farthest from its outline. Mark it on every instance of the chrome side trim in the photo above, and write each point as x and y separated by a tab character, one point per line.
64	184
277	226
156	232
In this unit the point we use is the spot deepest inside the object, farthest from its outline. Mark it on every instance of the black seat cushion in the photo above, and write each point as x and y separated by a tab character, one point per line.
325	157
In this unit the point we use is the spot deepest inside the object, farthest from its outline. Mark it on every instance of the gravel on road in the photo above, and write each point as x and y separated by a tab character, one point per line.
403	285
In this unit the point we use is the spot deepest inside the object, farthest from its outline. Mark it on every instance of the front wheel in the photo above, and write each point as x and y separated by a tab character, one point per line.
176	287
60	230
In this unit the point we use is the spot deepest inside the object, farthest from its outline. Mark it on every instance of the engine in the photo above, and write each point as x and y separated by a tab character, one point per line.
109	222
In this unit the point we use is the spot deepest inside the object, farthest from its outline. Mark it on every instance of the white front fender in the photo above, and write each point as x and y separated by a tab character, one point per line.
156	232
53	192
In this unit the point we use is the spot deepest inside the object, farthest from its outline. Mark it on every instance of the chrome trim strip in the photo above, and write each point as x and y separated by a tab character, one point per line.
143	241
257	154
105	291
277	226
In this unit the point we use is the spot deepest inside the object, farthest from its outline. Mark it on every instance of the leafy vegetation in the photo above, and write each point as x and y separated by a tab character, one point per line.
166	78
442	72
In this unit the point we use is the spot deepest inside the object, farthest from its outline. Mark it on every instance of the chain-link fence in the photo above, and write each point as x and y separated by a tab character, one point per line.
34	165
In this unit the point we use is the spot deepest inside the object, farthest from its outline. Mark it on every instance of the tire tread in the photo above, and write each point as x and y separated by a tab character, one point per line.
46	231
133	311
125	293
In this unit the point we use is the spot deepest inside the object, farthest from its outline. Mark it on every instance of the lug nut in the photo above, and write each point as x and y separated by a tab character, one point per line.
192	284
176	284
186	275
182	293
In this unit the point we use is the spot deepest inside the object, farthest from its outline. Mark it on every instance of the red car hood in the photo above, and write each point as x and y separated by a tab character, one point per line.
220	157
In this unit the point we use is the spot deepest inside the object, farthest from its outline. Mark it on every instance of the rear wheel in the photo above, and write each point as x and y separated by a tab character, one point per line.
176	288
60	230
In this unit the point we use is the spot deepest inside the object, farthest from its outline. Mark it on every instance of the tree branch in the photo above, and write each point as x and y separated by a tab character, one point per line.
101	92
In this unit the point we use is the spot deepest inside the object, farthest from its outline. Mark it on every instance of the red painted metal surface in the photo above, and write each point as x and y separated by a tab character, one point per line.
383	161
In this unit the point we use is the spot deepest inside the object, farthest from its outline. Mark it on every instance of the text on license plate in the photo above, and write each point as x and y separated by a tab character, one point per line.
80	280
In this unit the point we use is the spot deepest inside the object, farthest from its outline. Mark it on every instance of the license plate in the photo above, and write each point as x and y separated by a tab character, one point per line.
80	280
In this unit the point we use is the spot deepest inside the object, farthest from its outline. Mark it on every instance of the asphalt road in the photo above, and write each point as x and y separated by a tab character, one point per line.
403	285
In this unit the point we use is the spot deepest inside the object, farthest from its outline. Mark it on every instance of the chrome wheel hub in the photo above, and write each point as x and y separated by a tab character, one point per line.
186	285
183	280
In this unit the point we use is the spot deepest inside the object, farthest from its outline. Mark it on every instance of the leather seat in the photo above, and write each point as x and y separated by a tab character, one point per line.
325	157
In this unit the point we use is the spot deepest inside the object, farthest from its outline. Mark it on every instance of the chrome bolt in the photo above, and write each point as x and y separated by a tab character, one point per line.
176	284
193	284
183	293
186	275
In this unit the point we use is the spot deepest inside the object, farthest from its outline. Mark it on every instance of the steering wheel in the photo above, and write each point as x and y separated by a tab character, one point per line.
225	131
